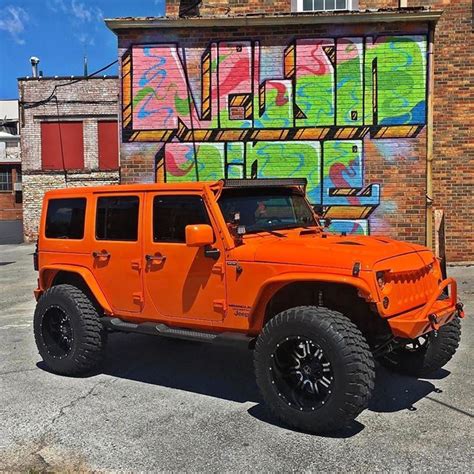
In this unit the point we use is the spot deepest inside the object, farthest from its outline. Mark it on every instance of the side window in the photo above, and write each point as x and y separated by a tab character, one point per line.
65	218
117	218
171	215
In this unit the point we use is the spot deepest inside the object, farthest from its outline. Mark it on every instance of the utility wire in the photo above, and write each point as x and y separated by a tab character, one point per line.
54	97
61	142
27	105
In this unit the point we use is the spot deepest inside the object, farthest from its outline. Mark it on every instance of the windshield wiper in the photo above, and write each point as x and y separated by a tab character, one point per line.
273	232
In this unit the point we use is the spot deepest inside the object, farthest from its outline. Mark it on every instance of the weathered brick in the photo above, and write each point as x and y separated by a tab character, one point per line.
88	101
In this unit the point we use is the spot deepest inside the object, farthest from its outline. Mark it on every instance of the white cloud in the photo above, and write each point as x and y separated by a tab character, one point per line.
79	11
57	6
84	19
85	39
13	22
85	14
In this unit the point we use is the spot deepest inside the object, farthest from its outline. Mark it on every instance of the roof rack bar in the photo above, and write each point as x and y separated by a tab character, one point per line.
264	182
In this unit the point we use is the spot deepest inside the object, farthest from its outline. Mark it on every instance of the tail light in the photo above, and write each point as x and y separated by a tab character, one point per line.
35	257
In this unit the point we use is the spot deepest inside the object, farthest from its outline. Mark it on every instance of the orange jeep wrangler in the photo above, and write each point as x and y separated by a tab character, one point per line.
241	261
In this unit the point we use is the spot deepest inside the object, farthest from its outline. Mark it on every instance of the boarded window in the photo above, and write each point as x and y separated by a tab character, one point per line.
108	145
65	218
62	145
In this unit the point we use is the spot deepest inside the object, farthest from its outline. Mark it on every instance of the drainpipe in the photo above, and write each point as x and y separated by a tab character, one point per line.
429	141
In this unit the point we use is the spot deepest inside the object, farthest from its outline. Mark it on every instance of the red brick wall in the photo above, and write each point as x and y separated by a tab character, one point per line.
453	175
88	102
233	7
386	175
453	166
9	210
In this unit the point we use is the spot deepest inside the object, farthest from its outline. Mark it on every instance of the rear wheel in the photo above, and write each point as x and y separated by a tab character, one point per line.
314	369
426	354
69	336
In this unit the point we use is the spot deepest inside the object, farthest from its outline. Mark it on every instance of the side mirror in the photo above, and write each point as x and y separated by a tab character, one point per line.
199	235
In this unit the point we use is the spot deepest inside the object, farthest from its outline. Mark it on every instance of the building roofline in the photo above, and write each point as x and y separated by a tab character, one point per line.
63	78
389	15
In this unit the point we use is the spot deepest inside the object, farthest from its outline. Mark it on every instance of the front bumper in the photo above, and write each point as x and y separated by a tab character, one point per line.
434	314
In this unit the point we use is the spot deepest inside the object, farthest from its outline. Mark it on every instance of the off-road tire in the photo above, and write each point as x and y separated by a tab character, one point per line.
434	354
344	347
88	335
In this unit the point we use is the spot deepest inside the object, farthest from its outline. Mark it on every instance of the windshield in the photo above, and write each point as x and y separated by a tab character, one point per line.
266	209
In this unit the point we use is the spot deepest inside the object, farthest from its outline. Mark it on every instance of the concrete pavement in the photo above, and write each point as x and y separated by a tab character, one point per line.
168	405
11	232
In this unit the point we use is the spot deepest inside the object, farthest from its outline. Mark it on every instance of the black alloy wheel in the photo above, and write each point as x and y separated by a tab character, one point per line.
69	334
301	373
57	332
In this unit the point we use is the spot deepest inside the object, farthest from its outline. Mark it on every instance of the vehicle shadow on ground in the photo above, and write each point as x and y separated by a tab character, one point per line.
394	392
227	373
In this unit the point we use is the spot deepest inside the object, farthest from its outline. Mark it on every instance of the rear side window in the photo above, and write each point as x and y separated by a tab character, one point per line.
171	215
117	218
65	218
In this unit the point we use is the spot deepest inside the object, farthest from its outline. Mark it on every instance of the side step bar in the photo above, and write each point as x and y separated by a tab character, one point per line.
160	329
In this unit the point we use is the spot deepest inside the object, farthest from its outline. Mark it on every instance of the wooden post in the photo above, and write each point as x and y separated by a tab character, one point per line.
440	239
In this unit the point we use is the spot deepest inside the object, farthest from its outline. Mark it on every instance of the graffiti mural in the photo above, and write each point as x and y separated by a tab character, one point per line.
240	109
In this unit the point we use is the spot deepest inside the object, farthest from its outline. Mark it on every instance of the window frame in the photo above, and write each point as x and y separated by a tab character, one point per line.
297	7
116	196
6	170
174	196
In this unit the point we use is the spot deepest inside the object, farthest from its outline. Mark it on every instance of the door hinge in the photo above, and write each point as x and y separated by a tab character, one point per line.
138	298
218	269
219	305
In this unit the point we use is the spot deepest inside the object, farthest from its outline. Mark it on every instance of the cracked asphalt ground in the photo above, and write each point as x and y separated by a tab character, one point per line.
167	405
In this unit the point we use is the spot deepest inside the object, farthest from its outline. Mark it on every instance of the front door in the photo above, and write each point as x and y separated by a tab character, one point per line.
116	255
181	281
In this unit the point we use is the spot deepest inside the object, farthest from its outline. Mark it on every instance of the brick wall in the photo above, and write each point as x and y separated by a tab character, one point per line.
233	7
87	101
35	184
453	175
9	210
368	173
239	7
453	165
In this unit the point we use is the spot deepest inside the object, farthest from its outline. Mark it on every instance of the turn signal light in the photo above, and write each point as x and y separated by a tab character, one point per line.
380	279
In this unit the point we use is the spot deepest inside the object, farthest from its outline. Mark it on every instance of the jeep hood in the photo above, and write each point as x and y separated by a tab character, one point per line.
325	250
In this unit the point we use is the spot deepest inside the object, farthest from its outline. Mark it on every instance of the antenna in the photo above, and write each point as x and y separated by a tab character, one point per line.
85	66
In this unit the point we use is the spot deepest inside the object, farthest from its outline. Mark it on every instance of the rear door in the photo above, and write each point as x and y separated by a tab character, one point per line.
116	249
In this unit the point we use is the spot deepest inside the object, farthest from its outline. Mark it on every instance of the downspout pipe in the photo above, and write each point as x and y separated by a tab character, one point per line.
429	140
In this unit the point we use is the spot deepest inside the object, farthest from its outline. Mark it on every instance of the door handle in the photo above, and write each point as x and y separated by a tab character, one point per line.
103	254
155	258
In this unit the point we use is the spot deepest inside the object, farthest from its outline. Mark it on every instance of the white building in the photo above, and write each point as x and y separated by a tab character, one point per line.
10	162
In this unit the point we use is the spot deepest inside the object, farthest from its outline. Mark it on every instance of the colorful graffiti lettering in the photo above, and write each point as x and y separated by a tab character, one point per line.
239	109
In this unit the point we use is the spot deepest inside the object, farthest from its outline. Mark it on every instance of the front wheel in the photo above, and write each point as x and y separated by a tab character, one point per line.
314	369
425	354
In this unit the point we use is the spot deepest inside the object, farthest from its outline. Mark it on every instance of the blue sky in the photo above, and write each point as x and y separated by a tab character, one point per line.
60	32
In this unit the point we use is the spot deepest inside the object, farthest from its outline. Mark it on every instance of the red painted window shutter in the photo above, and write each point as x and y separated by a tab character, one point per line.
71	135
108	145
